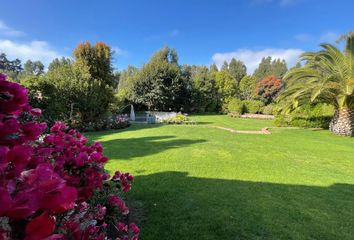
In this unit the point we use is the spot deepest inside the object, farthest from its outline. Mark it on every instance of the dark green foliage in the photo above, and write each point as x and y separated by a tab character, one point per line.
11	68
204	93
159	84
225	85
309	115
267	67
79	90
237	70
33	68
225	66
213	68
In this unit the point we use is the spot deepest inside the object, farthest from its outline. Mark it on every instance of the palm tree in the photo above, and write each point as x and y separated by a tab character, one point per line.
326	77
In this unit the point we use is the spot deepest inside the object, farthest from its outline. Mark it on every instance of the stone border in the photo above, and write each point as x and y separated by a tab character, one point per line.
263	131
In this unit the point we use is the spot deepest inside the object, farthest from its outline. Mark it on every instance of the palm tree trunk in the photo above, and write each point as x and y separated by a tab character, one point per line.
342	123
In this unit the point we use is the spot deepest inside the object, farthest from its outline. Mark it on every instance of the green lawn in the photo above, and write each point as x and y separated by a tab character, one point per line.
195	182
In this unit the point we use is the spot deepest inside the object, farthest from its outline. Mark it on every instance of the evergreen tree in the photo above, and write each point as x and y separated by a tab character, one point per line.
33	68
247	87
225	66
269	67
159	84
264	69
213	68
237	69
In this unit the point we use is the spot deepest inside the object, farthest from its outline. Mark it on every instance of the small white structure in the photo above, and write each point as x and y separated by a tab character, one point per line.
132	113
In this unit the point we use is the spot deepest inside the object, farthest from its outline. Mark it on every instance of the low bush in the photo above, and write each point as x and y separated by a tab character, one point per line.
113	122
306	122
253	106
268	109
55	186
178	119
312	116
235	106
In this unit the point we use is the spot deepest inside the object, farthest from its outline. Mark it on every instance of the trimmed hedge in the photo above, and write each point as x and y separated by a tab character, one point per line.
311	116
306	122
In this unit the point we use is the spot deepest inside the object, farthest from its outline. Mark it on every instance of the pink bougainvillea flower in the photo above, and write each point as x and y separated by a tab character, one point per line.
115	201
122	227
40	227
5	201
19	156
134	228
36	112
2	77
58	126
16	97
31	130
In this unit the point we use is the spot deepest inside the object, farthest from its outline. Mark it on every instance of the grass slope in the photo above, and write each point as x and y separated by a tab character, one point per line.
196	182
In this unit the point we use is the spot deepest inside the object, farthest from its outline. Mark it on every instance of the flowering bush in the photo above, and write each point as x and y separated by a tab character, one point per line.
178	119
120	121
55	186
115	122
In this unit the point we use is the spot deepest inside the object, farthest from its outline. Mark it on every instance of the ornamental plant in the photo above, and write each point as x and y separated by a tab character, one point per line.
55	186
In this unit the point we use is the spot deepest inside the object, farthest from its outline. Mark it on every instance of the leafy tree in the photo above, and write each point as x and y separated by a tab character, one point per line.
11	68
75	88
98	59
267	67
96	79
53	92
225	85
59	62
225	66
237	69
204	93
327	77
279	68
213	68
247	88
127	79
33	68
269	88
159	84
264	69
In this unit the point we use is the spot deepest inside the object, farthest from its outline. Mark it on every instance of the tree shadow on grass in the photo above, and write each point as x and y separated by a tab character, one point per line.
128	148
177	206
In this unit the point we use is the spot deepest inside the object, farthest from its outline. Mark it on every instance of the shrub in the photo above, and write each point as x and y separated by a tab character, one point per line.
178	119
268	109
311	116
55	186
112	122
253	106
235	106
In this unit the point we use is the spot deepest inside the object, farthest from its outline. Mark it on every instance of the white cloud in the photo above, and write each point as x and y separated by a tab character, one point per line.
8	31
330	37
34	50
252	58
119	51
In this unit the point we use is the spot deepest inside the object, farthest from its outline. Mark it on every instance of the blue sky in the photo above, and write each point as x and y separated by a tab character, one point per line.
202	31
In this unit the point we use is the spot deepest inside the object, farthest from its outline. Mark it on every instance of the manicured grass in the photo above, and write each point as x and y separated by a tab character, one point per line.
194	182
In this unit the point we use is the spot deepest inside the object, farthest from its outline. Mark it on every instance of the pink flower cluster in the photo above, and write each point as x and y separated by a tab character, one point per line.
55	187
